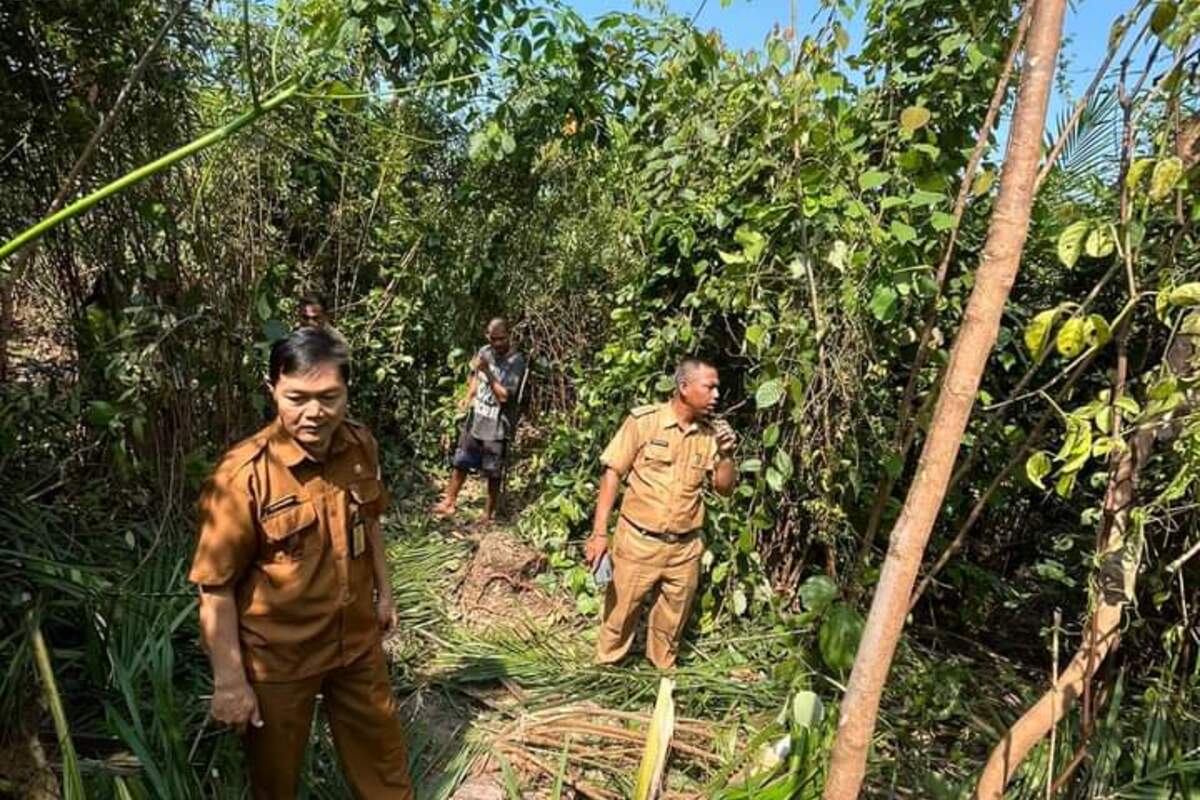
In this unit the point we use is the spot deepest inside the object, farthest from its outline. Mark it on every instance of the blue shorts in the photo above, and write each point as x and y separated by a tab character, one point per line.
479	455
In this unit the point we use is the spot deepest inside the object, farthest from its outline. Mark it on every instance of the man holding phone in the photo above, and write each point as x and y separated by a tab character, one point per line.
665	454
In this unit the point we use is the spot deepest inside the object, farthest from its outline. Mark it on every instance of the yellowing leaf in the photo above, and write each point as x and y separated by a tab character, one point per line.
1070	339
983	182
1137	172
1163	16
1037	331
1096	330
1166	174
1099	242
1070	241
914	118
658	743
1186	295
1037	467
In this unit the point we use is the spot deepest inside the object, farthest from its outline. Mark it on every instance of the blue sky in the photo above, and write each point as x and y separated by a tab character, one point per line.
746	23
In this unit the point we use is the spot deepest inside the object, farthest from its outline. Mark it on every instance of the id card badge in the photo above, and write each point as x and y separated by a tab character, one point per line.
358	538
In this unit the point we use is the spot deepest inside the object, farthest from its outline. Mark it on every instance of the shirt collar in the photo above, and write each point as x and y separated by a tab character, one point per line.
290	453
670	419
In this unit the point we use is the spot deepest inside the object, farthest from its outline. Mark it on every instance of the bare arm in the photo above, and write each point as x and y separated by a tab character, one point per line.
725	472
606	498
498	387
725	475
233	701
472	386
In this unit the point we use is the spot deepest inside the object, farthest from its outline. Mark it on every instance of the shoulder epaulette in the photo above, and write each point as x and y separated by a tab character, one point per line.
244	451
642	411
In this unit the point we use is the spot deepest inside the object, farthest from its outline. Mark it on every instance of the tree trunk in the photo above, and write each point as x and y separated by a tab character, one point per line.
1116	577
981	323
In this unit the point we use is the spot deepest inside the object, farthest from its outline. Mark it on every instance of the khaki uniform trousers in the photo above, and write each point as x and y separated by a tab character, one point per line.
643	565
366	732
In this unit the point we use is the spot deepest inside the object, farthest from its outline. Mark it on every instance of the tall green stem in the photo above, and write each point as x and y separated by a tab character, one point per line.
36	231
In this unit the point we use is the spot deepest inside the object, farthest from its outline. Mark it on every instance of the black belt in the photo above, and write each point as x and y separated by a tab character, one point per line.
669	538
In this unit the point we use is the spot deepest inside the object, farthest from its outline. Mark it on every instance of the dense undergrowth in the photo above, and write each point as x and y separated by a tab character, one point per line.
628	191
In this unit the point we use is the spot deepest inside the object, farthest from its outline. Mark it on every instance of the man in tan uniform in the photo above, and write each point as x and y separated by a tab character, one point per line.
665	453
294	590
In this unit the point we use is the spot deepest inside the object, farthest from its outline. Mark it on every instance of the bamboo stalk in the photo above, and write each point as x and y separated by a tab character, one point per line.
72	779
36	231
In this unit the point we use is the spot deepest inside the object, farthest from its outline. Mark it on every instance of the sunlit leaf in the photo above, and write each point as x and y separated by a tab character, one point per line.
883	303
1167	173
1187	294
1099	242
914	118
983	182
1071	337
1037	331
872	180
1037	467
1163	16
769	393
1070	242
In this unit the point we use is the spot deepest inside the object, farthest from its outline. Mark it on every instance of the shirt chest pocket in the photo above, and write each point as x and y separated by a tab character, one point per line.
289	531
698	468
658	460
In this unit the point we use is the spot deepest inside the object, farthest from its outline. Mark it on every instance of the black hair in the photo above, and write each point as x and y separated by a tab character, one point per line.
313	300
306	348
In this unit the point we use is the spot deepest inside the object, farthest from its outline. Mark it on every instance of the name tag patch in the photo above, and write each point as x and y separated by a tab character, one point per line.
358	538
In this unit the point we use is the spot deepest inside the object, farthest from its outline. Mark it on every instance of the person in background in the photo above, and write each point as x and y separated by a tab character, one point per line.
295	596
665	454
313	312
497	374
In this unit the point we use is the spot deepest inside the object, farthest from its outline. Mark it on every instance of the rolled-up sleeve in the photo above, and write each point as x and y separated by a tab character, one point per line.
623	449
227	540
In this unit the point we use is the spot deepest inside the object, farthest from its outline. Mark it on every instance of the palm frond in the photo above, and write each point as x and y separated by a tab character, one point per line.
1092	144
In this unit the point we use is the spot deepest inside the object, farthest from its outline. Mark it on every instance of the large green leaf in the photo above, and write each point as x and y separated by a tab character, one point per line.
839	636
872	180
883	303
818	593
769	393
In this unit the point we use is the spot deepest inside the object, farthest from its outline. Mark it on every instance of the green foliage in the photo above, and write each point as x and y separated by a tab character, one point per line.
630	191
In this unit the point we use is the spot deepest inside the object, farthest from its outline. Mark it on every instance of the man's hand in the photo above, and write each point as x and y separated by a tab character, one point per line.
477	363
385	613
726	438
595	548
235	704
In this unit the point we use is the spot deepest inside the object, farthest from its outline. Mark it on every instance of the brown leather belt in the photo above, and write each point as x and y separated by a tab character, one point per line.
662	536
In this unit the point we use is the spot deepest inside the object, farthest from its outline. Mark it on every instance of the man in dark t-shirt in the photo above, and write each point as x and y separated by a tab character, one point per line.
497	373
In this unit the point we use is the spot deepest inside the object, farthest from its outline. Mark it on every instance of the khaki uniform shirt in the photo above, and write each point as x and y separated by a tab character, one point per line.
665	466
290	535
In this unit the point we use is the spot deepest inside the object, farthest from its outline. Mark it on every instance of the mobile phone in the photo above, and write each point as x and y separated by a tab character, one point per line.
603	573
